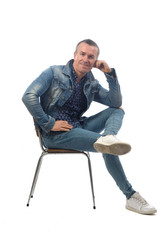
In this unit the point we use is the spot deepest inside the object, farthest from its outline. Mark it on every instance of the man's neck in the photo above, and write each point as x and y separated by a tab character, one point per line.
79	74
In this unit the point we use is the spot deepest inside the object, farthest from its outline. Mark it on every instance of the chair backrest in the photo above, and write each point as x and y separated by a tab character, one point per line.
40	137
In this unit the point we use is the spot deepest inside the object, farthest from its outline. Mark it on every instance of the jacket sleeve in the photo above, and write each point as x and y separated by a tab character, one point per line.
111	97
31	99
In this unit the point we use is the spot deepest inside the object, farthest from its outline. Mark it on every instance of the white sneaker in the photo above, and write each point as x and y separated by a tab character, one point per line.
139	205
111	145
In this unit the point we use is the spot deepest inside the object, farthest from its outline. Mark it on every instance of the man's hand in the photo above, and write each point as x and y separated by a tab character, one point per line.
62	126
103	66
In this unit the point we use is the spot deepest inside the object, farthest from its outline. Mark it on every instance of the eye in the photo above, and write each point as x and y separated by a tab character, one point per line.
91	57
82	53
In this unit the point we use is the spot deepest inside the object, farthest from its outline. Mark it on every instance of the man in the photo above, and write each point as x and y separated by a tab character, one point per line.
65	93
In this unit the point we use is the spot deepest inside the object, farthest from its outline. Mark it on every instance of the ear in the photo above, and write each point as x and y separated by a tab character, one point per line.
75	55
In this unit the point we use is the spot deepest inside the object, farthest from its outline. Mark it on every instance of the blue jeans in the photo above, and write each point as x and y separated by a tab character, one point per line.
87	132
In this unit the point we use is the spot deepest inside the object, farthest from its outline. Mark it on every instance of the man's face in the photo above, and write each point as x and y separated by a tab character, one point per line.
85	58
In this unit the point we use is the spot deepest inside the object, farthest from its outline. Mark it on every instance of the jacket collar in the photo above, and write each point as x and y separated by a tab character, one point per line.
68	69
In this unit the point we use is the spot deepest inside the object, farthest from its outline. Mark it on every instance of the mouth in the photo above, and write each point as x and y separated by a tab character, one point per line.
85	65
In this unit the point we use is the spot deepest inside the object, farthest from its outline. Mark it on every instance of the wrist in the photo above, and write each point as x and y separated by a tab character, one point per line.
112	73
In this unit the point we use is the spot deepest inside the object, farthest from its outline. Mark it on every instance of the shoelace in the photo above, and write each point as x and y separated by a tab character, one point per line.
111	139
140	199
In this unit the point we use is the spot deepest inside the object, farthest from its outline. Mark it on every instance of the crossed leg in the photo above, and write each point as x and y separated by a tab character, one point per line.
86	134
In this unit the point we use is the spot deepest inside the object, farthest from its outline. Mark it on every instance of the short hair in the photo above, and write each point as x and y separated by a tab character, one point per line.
89	42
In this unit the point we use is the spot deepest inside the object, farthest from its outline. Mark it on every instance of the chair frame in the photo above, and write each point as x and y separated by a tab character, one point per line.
46	151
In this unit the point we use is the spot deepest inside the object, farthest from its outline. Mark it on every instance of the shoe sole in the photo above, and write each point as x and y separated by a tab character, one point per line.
114	149
141	212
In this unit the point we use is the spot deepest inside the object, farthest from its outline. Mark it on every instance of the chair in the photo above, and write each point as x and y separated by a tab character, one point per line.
46	151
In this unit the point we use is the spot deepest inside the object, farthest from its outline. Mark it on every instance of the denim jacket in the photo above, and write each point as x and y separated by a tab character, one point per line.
47	94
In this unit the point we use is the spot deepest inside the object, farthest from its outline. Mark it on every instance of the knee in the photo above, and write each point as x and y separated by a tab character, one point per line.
120	110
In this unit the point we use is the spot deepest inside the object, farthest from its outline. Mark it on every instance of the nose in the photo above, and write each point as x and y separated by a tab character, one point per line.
85	58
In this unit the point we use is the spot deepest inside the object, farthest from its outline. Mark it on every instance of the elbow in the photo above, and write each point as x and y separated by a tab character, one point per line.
24	99
116	100
117	103
27	100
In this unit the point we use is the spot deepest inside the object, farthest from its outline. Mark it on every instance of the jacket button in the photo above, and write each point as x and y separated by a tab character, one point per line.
62	98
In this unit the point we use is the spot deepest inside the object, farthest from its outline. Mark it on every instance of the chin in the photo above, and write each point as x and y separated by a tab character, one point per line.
85	70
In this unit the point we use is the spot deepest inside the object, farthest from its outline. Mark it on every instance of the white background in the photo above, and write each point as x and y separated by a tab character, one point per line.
37	34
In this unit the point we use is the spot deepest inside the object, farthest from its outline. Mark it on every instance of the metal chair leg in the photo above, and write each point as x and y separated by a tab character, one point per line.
91	178
36	177
38	170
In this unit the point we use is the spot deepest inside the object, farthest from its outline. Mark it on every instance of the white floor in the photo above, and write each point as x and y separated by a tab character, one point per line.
62	204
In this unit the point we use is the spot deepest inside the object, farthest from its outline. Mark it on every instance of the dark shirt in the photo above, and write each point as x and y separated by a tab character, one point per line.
76	104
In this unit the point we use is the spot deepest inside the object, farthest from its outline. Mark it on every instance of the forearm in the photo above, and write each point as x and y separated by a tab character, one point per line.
111	97
115	95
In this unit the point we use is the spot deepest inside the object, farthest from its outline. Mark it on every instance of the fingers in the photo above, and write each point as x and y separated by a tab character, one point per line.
62	126
99	64
102	65
65	126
